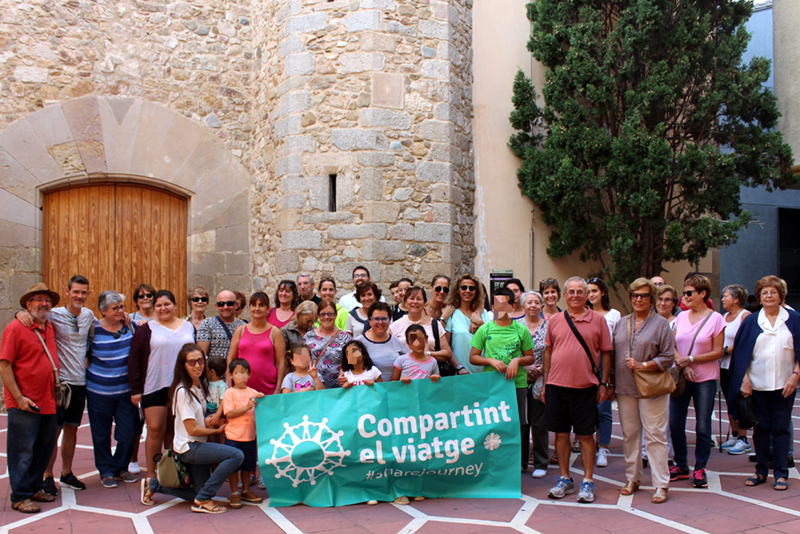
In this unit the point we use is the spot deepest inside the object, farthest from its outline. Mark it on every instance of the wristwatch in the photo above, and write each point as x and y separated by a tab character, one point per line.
691	359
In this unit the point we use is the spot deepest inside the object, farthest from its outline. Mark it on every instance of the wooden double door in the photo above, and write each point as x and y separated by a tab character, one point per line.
117	235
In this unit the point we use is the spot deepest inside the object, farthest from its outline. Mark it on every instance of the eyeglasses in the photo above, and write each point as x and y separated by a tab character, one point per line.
640	296
468	288
195	362
199	299
121	332
546	281
666	300
74	321
144	296
361	275
440	289
223	303
576	292
327	315
769	293
379	319
659	284
689	293
594	281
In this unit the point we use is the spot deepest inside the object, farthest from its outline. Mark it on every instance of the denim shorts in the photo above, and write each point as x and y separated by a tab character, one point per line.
250	452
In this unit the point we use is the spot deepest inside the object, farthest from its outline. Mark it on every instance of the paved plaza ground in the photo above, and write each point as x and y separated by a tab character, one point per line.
727	506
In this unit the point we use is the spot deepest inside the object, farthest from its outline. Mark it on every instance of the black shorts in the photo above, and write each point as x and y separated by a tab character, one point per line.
156	398
572	409
72	414
249	449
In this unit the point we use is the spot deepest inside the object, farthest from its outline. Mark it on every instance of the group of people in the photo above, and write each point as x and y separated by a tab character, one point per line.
194	381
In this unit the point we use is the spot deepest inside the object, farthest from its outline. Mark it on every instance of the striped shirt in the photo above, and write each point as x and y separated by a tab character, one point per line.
107	374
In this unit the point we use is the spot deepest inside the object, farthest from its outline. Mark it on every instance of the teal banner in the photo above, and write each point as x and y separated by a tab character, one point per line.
458	437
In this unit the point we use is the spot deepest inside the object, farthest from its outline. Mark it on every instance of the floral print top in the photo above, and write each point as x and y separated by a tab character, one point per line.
329	364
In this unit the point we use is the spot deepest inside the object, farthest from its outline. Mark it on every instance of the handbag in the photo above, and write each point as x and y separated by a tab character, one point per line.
677	374
62	392
445	368
171	472
650	384
746	411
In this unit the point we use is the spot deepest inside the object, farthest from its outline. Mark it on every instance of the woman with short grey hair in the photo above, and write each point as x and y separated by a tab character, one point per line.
734	299
108	392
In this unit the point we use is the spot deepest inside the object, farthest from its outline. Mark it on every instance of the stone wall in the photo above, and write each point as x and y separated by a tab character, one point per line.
375	92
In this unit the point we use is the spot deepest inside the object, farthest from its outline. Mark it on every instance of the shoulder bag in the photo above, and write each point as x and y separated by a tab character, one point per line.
445	368
62	391
677	374
650	384
578	335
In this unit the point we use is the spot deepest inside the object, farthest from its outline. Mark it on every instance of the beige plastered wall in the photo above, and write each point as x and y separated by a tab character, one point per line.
504	218
786	43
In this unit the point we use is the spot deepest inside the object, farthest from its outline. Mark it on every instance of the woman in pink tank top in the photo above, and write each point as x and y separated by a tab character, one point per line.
262	345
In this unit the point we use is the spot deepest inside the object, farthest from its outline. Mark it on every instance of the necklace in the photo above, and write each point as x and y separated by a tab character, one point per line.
415	322
643	320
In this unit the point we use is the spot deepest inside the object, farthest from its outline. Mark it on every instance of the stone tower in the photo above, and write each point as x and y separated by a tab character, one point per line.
363	139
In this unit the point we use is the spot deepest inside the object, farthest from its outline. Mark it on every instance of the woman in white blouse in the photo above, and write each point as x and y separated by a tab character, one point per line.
598	298
766	366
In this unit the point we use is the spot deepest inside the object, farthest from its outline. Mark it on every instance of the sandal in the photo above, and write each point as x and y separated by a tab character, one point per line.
660	496
780	485
208	507
756	480
26	506
146	494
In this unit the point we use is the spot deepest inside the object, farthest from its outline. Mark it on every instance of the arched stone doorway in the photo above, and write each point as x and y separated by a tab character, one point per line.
121	140
118	235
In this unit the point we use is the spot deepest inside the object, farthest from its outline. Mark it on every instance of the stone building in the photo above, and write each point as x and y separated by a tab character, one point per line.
230	143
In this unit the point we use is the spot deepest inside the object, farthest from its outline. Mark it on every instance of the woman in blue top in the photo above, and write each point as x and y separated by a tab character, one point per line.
469	315
108	393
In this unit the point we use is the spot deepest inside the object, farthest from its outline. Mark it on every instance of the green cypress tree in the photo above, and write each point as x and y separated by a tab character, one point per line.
651	123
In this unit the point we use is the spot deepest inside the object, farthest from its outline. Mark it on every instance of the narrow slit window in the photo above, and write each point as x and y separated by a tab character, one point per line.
331	192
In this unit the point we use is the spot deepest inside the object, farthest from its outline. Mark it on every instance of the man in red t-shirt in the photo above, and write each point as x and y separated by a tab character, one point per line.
572	389
29	383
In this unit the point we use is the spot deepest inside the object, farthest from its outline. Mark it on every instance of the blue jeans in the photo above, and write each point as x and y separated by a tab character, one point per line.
30	440
606	422
200	457
702	393
103	411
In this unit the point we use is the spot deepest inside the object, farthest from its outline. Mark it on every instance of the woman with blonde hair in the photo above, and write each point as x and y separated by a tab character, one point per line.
305	315
197	298
467	301
643	342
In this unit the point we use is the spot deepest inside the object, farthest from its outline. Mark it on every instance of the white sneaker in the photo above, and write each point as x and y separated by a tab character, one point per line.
732	441
133	468
741	447
539	473
602	457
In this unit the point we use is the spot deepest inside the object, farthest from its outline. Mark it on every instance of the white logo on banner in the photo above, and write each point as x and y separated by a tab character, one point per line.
307	451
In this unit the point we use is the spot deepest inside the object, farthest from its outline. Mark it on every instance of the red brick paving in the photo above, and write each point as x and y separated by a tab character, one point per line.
730	508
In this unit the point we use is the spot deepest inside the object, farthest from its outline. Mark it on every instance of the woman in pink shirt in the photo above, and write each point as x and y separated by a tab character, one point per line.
699	334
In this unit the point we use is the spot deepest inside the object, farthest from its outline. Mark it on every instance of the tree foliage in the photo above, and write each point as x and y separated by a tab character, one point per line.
650	124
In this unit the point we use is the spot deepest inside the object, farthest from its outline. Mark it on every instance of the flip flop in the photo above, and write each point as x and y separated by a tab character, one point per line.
780	485
756	480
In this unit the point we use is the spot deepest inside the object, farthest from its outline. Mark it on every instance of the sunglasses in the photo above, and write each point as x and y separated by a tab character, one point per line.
144	296
327	314
74	321
689	293
121	332
199	299
223	303
440	289
468	288
640	296
197	361
546	281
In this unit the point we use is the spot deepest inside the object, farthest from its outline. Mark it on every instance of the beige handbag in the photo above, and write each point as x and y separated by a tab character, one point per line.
651	384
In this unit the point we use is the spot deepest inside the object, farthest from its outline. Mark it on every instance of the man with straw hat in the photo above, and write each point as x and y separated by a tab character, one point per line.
29	380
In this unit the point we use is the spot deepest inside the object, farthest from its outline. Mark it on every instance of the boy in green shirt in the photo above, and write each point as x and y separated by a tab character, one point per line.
507	347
